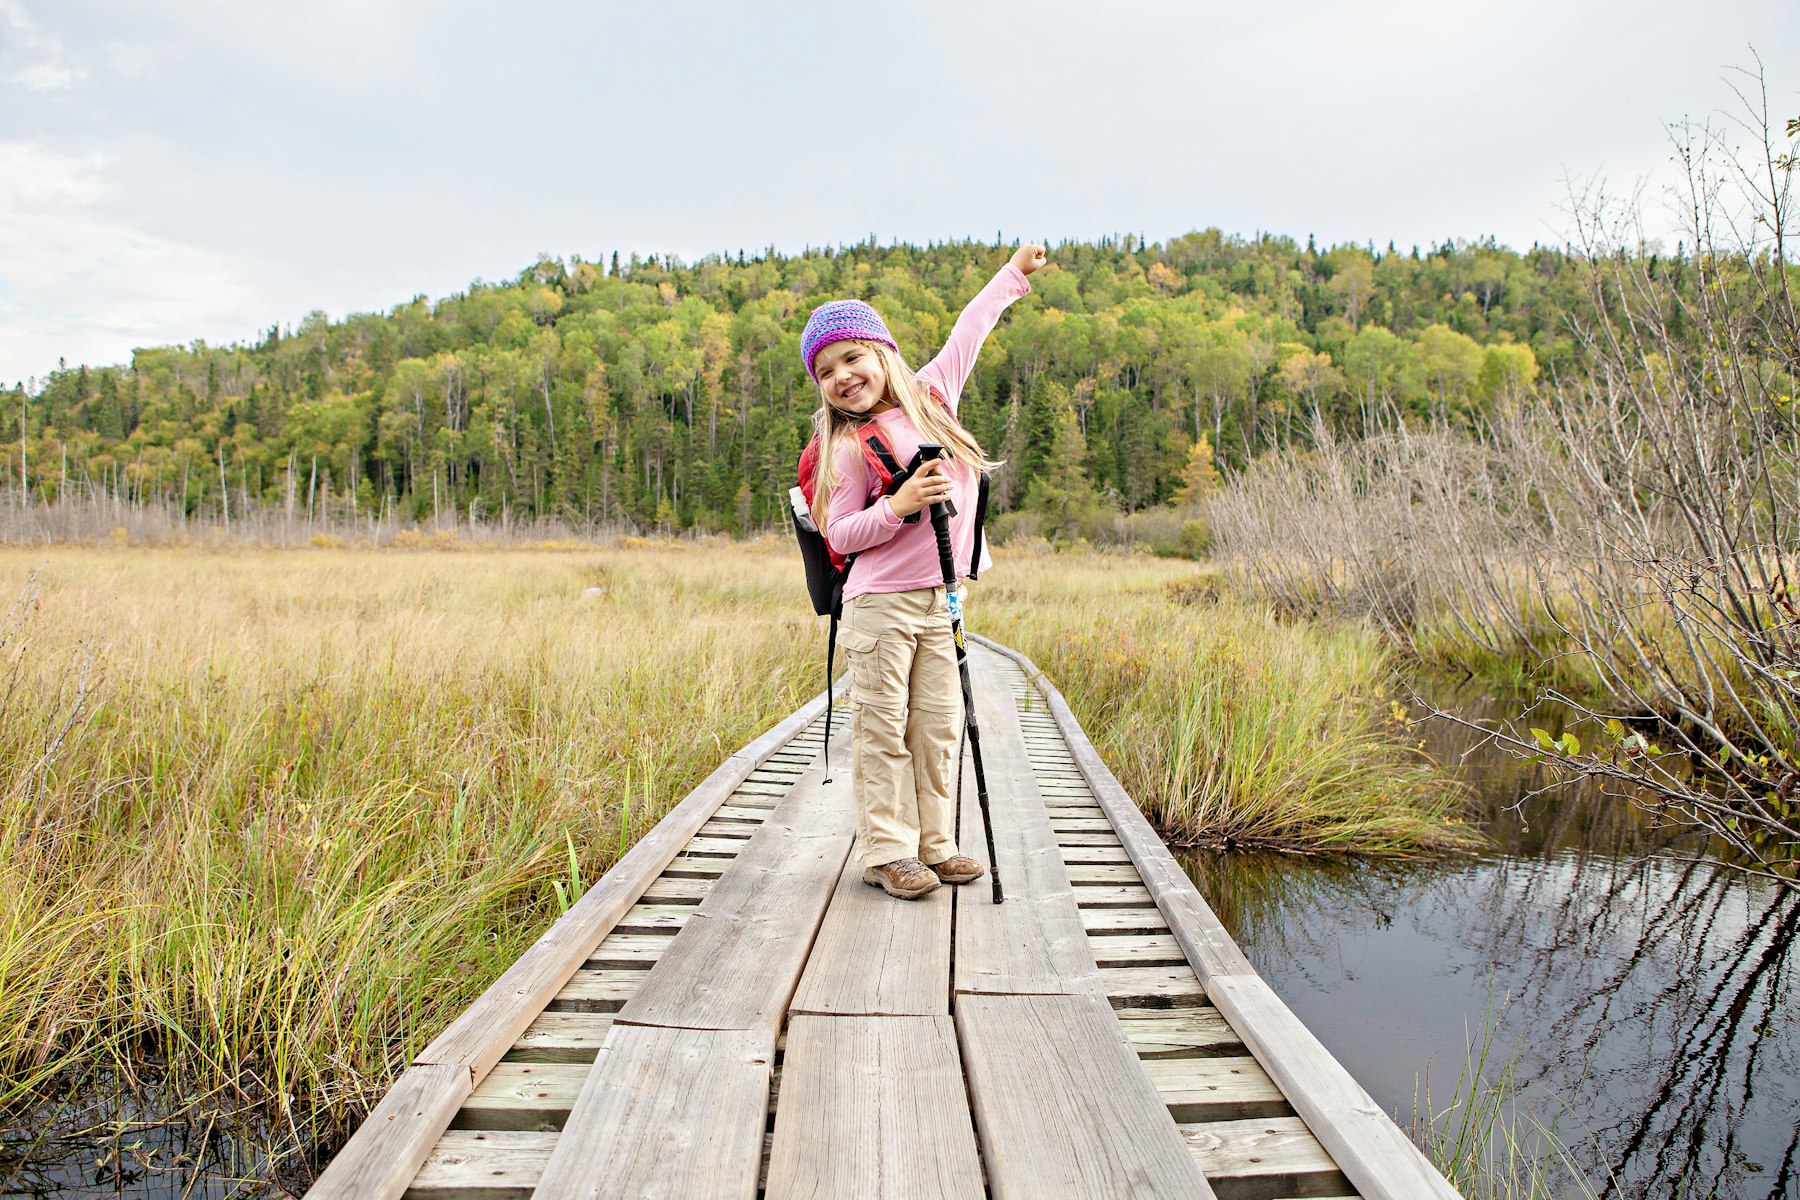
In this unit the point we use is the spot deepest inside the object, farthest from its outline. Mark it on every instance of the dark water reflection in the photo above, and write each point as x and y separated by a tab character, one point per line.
1646	991
110	1138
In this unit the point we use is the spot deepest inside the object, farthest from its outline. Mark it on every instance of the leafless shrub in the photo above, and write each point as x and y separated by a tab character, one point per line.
1645	516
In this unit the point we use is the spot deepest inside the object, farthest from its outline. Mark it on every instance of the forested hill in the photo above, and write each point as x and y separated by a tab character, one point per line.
663	394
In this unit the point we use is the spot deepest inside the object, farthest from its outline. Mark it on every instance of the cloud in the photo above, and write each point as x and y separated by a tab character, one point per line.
32	57
139	60
83	282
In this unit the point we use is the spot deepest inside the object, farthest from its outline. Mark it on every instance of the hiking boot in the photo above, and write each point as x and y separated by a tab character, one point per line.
906	878
958	868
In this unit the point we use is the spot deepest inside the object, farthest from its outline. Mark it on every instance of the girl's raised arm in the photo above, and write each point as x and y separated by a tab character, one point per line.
950	369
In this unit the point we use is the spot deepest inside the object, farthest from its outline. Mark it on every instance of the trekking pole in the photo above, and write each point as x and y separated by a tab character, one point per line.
940	527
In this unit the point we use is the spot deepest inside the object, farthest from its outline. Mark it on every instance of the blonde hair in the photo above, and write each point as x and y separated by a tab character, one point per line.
933	421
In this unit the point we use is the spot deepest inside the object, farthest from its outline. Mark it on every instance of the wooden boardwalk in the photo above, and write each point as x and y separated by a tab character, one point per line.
731	1012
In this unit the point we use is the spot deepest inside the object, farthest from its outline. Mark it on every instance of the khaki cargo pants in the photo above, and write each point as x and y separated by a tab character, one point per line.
906	712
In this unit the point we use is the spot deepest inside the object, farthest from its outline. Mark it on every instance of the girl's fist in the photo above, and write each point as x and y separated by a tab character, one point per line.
1028	258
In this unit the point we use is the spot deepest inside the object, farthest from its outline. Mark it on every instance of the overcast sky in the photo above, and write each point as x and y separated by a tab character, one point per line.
180	169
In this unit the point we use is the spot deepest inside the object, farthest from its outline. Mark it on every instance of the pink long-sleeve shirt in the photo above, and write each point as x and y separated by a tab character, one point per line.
892	556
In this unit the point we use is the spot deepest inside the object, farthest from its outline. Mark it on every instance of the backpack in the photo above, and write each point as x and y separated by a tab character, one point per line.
827	571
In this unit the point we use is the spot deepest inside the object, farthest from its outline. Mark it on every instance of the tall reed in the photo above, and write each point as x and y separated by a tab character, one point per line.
1228	726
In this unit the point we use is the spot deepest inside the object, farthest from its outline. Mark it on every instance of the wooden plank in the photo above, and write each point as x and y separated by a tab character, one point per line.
677	891
736	964
1034	942
1379	1160
1152	987
666	1112
1081	873
1179	1033
1088	837
1124	895
1095	854
1215	1088
1121	920
397	1135
652	918
705	844
561	1037
482	1164
873	1107
736	831
524	1095
1133	950
629	950
1063	1107
686	866
1263	1159
603	990
877	955
485	1030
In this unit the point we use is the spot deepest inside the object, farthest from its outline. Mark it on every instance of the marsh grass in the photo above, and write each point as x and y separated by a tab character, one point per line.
1486	1141
1228	726
274	817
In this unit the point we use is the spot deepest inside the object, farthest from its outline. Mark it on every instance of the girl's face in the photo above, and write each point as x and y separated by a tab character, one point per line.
851	378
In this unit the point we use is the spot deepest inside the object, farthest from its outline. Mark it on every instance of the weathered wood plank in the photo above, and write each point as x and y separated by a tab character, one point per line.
666	1112
1215	1088
482	1164
876	955
694	866
627	951
1088	837
1124	895
1179	1033
666	890
737	831
737	962
1062	1105
528	1095
1152	987
1122	920
873	1107
1136	950
1263	1159
1081	873
603	990
1095	854
561	1037
1034	942
397	1135
485	1030
654	918
1379	1160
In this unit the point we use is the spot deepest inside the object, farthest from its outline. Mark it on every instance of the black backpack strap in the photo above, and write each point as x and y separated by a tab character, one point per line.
981	501
897	474
837	611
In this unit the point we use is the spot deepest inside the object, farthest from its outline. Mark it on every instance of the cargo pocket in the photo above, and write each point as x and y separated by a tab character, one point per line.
872	681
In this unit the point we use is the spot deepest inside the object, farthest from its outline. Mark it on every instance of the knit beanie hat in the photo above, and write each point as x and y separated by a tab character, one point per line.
838	321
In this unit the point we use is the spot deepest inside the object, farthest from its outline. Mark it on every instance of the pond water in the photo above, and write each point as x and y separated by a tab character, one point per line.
1642	992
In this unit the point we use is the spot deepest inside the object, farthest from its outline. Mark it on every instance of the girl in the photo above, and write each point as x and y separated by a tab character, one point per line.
905	697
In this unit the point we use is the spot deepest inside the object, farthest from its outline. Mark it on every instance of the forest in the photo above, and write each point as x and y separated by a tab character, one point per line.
656	395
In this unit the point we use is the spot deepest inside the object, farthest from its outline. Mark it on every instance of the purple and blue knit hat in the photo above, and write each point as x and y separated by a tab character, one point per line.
839	321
